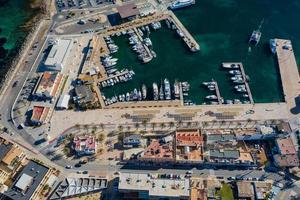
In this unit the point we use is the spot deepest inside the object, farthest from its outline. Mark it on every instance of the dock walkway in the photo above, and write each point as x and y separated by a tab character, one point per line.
218	92
114	76
288	71
187	37
246	83
141	40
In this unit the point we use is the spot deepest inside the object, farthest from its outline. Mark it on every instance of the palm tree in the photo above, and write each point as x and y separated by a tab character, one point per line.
222	123
204	124
153	125
120	127
188	124
171	125
144	122
179	124
102	126
213	124
248	121
162	125
137	125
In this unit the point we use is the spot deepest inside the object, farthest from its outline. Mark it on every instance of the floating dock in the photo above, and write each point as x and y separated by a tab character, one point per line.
288	71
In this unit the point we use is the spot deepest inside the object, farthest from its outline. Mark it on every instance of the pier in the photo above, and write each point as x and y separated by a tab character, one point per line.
187	37
246	83
113	76
141	40
218	92
241	67
288	71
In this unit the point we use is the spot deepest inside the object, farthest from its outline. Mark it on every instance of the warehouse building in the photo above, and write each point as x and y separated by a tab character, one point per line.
58	54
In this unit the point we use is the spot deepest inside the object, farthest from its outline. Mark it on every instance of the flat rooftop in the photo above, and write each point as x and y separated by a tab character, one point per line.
155	186
27	182
58	52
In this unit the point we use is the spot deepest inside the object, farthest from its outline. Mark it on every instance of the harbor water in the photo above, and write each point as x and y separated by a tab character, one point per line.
222	28
14	16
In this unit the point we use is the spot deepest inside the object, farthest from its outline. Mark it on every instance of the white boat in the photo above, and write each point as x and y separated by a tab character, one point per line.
140	95
236	77
235	72
167	89
239	86
177	89
241	90
239	81
144	91
211	97
127	96
147	42
230	66
155	91
245	95
161	92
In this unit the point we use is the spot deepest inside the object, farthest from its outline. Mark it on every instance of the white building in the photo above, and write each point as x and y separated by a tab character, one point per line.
63	102
151	186
58	54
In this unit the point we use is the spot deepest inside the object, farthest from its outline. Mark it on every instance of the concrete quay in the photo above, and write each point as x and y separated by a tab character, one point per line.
187	37
289	74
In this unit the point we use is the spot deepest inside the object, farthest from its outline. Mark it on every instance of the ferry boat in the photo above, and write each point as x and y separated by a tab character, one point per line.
155	91
144	91
273	45
167	89
181	4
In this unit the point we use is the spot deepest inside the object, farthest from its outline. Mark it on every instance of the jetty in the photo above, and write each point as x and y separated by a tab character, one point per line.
288	71
218	94
246	83
187	37
145	46
126	71
245	79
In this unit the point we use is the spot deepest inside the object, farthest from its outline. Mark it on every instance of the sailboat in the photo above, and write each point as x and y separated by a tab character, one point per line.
256	35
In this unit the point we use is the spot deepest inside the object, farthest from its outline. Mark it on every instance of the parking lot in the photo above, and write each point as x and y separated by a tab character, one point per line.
79	4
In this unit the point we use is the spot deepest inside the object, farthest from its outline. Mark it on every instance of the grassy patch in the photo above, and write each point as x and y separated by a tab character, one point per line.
225	192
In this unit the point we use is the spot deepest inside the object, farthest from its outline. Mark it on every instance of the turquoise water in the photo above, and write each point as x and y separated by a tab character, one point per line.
14	14
222	28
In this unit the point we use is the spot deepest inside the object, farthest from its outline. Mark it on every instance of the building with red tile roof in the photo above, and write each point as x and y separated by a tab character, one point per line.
85	145
189	146
158	151
285	146
47	86
39	114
